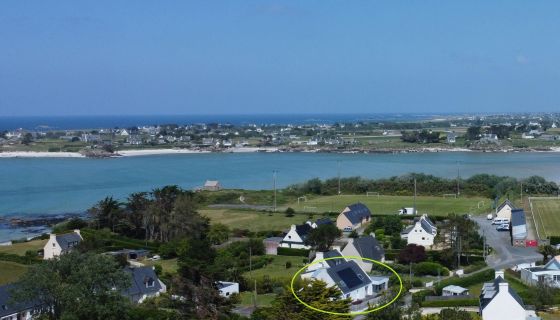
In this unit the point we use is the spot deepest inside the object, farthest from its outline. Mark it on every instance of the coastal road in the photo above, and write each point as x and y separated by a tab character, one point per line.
505	255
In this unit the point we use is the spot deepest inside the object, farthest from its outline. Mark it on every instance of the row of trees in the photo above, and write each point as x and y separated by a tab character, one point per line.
490	186
161	215
423	136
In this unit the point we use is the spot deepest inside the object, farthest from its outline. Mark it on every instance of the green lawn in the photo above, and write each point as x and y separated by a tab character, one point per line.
277	269
263	300
549	316
168	265
547	216
20	248
252	220
391	204
11	271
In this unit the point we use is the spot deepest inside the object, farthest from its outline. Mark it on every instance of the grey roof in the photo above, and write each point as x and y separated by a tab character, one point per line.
518	217
331	254
323	221
427	225
68	240
348	276
455	289
407	229
303	230
507	202
224	284
6	305
490	289
369	247
356	212
140	278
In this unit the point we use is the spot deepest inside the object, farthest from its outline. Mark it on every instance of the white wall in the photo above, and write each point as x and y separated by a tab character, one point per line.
503	306
52	248
420	237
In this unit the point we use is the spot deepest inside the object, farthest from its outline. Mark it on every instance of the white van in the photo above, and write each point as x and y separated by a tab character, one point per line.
490	216
500	221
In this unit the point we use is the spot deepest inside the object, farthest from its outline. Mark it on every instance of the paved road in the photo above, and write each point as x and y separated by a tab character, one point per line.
505	255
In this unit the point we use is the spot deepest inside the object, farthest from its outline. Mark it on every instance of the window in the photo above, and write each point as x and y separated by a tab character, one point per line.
289	237
54	245
150	283
423	238
556	277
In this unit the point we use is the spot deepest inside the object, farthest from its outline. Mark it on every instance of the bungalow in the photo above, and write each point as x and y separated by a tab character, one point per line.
350	279
422	232
366	247
451	137
504	210
295	238
518	227
451	291
10	310
60	244
145	284
226	289
353	217
212	185
499	301
549	273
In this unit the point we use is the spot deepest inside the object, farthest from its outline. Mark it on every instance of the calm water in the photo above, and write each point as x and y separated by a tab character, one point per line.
31	186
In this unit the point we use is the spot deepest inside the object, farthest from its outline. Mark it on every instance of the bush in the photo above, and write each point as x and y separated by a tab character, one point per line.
290	212
430	269
292	252
288	264
27	259
158	269
450	303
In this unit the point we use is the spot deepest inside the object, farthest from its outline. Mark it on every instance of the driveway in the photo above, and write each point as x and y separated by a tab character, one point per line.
505	255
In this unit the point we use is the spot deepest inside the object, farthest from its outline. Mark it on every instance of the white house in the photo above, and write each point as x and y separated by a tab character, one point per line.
499	301
549	273
60	244
226	289
504	210
422	232
349	278
452	290
9	310
366	247
295	238
212	185
145	284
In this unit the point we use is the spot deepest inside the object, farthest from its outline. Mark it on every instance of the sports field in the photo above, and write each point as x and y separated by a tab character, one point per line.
391	204
252	220
547	216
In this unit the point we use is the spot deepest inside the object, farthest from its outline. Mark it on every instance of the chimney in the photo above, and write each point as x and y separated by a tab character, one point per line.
499	273
52	235
78	232
319	255
293	227
503	287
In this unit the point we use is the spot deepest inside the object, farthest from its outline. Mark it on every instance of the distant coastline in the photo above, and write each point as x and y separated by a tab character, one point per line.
175	151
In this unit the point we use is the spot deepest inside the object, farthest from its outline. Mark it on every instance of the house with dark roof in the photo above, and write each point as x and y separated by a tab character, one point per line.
518	227
10	310
549	273
422	232
317	262
60	244
295	238
144	284
350	279
504	210
499	301
227	289
322	221
366	247
353	217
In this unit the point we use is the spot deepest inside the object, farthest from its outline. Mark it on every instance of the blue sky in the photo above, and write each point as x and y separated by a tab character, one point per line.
216	57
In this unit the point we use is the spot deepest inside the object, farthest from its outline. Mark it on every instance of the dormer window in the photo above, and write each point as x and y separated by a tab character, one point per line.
150	283
4	307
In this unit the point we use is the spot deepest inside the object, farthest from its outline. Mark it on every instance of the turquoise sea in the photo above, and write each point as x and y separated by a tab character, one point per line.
62	185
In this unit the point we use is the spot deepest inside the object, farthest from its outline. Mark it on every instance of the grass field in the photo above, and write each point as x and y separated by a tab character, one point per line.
547	216
263	300
391	204
11	271
168	265
252	220
20	248
277	269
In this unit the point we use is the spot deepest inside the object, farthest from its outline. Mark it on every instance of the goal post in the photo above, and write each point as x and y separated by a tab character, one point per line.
373	194
450	195
304	199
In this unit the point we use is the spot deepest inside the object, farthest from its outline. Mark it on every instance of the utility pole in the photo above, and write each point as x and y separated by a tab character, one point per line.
521	193
274	186
410	273
484	246
414	209
458	179
338	167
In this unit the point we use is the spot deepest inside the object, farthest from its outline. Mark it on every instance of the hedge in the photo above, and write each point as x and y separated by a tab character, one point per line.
467	281
554	240
18	259
451	303
292	252
430	268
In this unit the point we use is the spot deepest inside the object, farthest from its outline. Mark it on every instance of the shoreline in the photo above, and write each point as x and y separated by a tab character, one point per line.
153	152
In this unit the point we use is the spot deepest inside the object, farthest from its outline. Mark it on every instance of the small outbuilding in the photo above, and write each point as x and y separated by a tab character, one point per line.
452	290
212	185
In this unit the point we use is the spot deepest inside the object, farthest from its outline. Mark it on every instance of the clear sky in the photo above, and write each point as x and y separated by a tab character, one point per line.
214	57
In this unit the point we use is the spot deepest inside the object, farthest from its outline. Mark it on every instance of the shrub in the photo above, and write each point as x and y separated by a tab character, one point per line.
292	252
412	253
290	212
158	269
288	264
430	269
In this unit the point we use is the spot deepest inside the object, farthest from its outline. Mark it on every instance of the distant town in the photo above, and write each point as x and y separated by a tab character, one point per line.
518	132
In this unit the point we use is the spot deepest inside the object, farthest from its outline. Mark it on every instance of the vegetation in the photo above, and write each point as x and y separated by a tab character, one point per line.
11	271
322	237
412	253
20	248
546	216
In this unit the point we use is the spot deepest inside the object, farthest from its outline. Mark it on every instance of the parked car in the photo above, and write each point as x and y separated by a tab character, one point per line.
155	258
500	221
490	216
503	227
